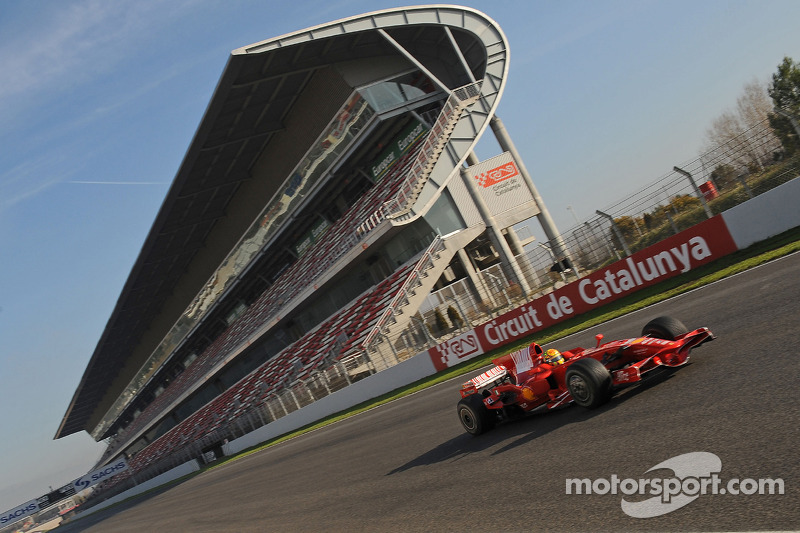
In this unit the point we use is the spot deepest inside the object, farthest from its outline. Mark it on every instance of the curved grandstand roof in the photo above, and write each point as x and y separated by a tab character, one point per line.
264	91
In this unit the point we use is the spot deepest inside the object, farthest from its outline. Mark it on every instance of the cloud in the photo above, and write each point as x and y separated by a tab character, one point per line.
44	57
27	180
75	42
61	47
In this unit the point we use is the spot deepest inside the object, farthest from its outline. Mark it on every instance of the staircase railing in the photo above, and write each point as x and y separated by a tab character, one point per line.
438	136
401	298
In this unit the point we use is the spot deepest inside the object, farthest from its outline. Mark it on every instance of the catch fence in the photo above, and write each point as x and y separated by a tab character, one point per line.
748	165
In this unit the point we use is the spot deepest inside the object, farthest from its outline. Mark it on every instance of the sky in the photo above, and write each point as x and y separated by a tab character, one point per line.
100	100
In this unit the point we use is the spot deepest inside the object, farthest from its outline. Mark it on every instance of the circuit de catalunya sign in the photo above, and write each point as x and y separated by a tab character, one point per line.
675	255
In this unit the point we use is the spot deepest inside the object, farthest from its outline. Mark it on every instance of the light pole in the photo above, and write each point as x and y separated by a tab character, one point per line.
569	208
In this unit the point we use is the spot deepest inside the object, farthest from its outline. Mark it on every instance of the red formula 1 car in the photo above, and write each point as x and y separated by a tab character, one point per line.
530	378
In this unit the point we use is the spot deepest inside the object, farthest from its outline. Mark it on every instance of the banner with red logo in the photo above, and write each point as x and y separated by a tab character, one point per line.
501	185
675	255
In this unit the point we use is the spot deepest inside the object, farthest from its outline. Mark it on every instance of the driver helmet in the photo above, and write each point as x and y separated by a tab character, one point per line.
553	357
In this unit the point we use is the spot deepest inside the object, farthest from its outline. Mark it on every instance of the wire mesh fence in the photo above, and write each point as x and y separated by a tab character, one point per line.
750	164
719	179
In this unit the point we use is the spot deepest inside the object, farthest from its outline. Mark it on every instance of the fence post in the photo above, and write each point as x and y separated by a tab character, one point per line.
741	179
672	222
616	230
697	191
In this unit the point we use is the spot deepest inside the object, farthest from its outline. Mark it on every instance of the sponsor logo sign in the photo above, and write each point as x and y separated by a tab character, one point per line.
101	474
678	254
41	503
501	185
19	512
312	236
455	350
397	149
495	175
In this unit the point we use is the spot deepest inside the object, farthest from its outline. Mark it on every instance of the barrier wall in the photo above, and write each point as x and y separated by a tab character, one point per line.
408	371
171	475
766	215
757	219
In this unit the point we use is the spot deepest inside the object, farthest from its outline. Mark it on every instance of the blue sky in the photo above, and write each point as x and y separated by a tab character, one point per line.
99	101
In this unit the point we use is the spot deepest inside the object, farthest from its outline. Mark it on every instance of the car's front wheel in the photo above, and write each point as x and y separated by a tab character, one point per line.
664	327
474	415
589	383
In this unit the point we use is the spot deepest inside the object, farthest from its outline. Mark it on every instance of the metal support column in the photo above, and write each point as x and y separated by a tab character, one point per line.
472	274
496	236
616	231
546	221
697	191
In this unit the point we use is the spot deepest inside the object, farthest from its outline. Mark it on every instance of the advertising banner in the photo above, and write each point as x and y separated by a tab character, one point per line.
458	349
397	149
675	255
101	474
500	184
18	513
45	501
311	236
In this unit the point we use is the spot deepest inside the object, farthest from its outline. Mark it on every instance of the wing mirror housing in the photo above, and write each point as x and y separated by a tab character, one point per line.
598	338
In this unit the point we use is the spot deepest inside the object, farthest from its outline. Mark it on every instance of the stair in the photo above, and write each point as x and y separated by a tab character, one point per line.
378	344
438	137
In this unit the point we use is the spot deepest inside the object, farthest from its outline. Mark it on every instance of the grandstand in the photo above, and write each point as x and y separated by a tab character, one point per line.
323	197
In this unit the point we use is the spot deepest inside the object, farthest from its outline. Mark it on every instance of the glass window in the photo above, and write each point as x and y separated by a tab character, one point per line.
392	93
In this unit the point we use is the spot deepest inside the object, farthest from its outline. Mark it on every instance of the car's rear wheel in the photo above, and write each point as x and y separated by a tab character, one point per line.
589	383
664	327
474	415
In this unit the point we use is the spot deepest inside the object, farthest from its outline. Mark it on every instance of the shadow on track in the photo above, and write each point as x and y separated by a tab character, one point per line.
528	428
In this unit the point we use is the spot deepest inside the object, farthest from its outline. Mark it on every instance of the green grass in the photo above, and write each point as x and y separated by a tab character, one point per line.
757	254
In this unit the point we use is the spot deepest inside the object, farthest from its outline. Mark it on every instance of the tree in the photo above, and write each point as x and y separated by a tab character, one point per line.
739	137
785	87
455	317
724	176
439	324
628	227
683	202
785	94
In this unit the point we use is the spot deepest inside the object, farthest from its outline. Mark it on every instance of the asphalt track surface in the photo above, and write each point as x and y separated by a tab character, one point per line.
409	466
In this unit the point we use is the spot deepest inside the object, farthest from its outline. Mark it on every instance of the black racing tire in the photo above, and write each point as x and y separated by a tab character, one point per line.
474	415
589	383
664	327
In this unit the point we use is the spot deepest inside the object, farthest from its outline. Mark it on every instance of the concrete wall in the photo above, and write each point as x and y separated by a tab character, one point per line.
408	371
766	215
166	477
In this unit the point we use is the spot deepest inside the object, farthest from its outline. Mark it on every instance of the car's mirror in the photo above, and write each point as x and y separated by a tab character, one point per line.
598	338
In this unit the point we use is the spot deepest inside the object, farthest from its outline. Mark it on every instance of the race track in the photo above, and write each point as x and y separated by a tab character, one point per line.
409	466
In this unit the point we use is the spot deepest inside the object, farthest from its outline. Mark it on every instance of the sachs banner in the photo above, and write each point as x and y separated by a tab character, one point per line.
18	513
678	254
101	474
